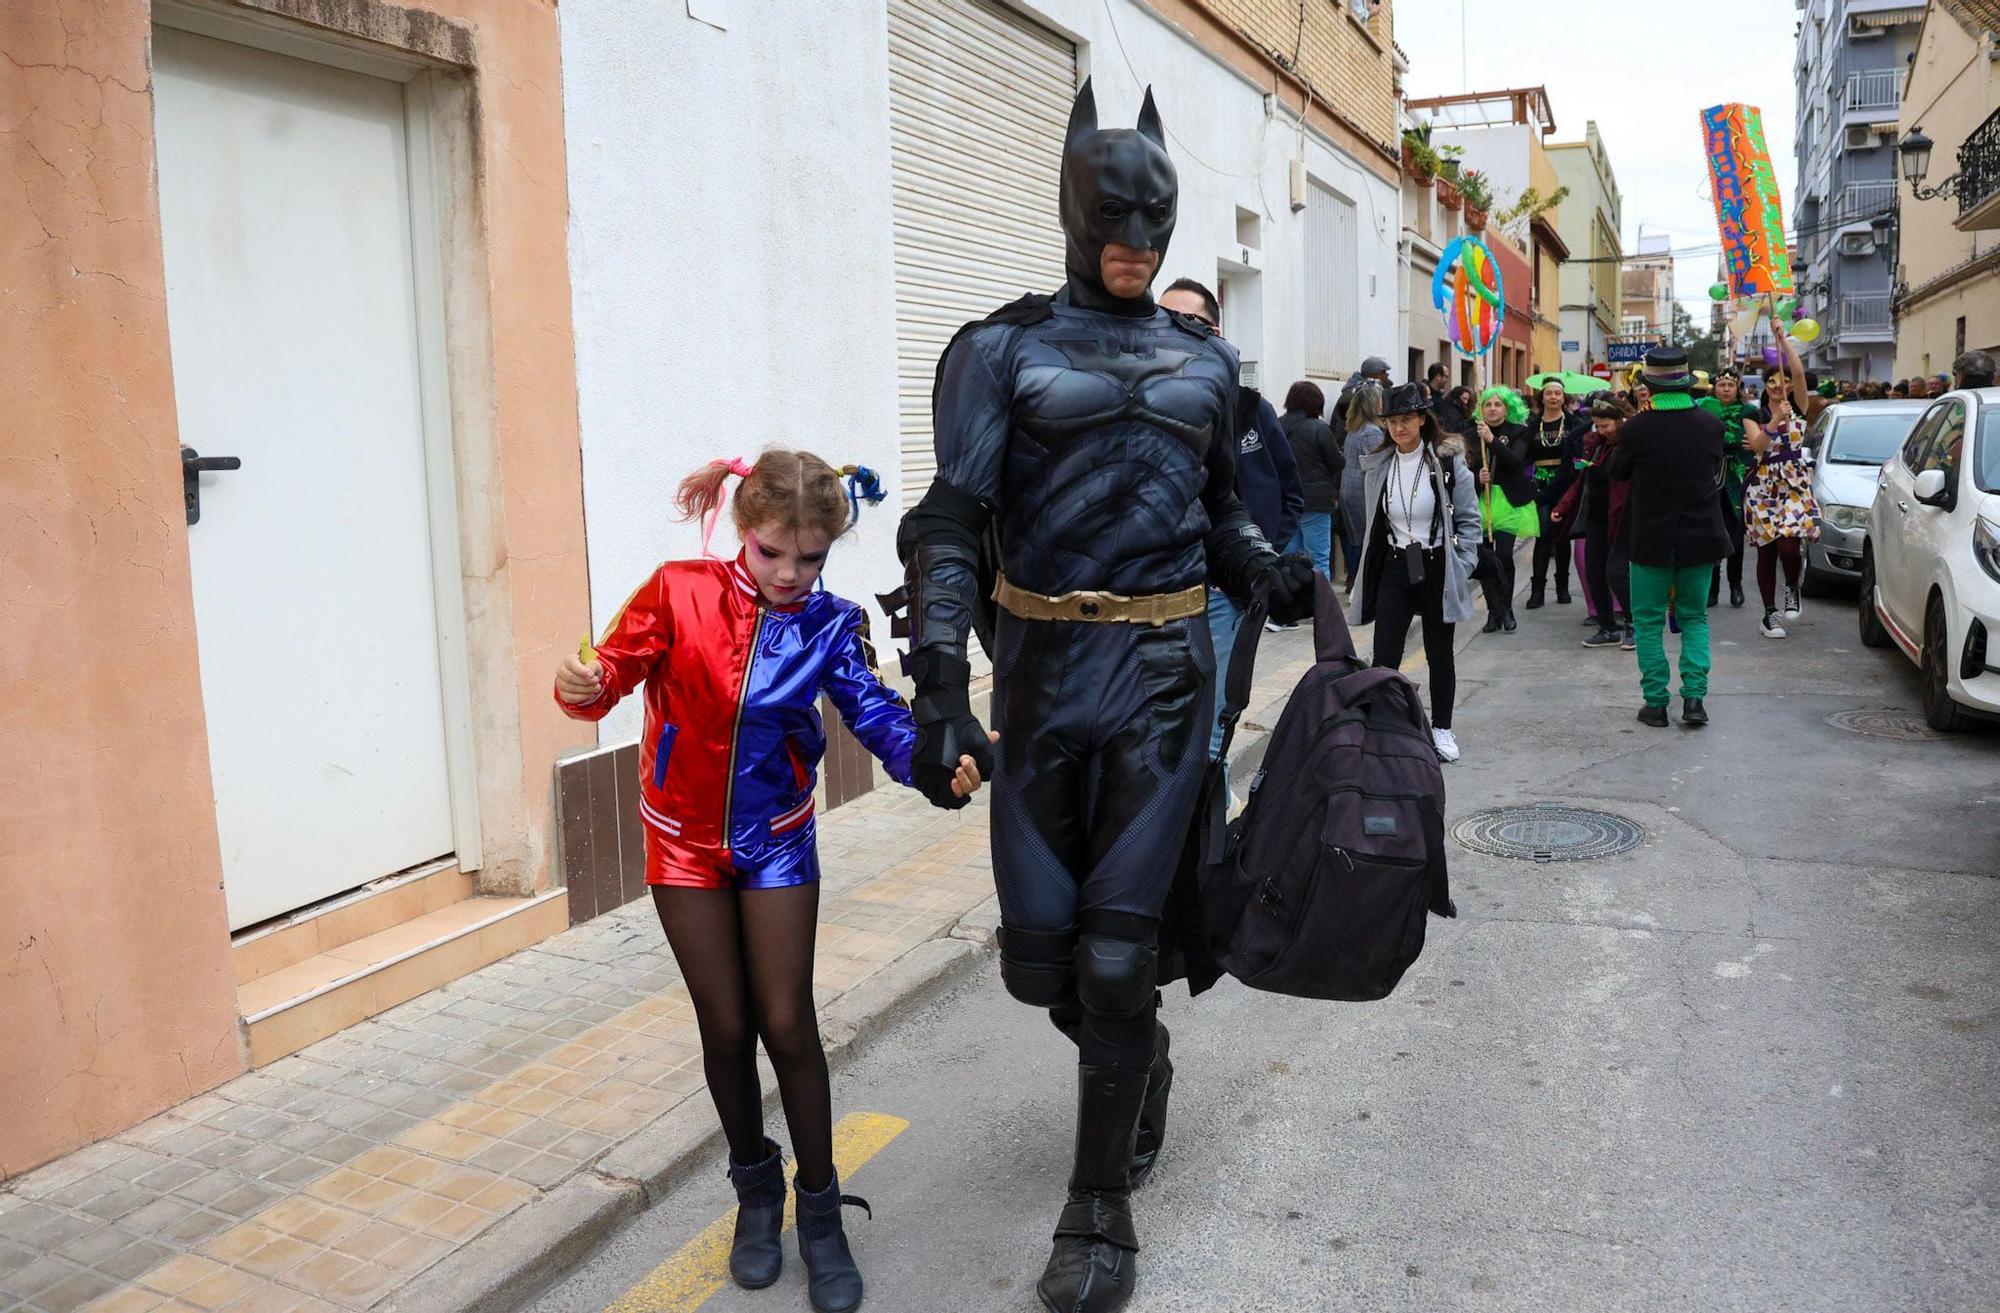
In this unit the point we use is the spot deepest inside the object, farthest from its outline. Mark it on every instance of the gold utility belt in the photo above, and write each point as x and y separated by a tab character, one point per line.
1102	608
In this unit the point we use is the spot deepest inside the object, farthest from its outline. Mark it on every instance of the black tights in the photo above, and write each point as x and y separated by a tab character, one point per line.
1768	556
1551	549
747	958
1397	602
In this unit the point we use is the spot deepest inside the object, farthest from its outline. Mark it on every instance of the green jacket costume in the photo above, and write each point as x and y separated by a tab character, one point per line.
1735	464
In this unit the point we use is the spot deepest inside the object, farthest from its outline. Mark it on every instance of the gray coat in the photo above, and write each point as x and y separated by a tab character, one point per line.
1464	530
1353	496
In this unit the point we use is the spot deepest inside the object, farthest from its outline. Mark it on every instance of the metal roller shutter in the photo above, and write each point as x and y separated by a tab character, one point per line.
1332	289
978	99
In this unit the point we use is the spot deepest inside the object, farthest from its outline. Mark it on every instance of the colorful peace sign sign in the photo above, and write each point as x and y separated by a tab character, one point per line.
1467	292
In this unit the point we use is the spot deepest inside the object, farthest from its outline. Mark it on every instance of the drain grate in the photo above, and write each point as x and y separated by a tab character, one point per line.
1884	723
1548	832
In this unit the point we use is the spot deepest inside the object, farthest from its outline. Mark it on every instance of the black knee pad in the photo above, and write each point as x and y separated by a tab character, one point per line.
1114	977
1038	966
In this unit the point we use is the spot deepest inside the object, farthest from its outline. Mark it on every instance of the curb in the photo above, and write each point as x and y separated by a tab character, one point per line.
538	1244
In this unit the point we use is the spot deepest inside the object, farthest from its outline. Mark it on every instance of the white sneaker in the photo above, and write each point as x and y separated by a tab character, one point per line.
1446	744
1771	627
1792	604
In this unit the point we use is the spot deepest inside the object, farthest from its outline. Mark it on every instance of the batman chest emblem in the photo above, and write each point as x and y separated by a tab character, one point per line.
1130	368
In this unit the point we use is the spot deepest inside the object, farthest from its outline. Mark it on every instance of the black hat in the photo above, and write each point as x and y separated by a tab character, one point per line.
1407	399
1374	367
1667	370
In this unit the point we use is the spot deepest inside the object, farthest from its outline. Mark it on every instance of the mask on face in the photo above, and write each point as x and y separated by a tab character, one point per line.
1117	186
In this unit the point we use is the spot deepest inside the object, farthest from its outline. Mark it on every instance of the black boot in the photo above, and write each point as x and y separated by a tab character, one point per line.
1094	1266
1536	591
1654	716
1714	591
1562	590
1736	592
1508	622
833	1282
1693	713
755	1257
1153	1113
1492	625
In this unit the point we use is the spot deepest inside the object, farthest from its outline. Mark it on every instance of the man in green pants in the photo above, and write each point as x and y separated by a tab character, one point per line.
1673	456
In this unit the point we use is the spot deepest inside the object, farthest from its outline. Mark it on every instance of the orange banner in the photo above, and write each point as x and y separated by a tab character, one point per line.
1748	210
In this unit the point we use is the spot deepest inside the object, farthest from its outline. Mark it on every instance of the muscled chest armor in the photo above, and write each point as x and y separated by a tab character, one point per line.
1114	426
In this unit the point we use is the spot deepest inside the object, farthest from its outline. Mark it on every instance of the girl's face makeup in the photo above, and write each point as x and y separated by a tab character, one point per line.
784	562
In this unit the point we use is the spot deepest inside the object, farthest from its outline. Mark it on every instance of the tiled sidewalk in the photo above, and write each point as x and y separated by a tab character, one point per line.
332	1178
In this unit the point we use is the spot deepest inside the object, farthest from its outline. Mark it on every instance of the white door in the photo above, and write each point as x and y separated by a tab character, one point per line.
285	212
979	97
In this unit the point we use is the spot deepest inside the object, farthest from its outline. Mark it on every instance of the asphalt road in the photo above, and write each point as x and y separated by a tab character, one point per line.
1750	1065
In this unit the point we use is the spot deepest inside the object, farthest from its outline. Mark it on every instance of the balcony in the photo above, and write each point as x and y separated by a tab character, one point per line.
1979	177
1872	97
1866	316
1858	202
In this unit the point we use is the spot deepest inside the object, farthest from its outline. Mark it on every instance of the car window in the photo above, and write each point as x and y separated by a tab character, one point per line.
1917	445
1986	470
1944	453
1867	437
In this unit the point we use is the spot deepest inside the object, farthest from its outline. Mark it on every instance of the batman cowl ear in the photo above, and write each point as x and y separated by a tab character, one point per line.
1150	126
1082	116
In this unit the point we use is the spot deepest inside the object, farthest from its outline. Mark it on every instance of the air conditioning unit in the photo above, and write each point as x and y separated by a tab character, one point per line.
1860	137
1857	244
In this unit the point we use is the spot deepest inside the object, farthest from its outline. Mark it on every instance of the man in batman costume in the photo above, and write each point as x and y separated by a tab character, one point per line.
1085	455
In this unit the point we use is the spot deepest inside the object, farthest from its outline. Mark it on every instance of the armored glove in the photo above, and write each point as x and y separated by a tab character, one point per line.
1290	581
946	727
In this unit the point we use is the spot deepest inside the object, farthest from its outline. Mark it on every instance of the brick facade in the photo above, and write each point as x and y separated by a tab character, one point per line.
1346	63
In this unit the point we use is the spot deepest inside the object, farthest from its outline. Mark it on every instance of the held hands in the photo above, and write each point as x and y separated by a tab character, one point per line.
953	752
966	782
1290	579
578	683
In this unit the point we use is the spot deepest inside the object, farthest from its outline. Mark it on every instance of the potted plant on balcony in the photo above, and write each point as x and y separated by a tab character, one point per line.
1478	198
1419	160
1448	174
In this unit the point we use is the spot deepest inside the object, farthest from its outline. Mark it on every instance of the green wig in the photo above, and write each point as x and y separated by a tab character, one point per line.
1517	409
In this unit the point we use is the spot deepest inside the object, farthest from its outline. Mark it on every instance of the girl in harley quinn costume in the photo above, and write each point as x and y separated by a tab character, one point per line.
734	655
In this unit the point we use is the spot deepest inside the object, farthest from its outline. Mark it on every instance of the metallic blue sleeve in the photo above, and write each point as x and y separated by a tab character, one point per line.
875	713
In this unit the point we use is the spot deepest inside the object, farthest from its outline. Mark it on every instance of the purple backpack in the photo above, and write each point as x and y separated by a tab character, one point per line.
1321	888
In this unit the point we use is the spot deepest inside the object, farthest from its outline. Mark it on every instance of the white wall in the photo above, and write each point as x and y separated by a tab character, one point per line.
732	245
731	263
1499	152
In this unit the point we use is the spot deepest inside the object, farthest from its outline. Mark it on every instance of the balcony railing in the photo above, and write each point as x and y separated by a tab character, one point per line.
1877	89
1860	201
1865	312
1979	165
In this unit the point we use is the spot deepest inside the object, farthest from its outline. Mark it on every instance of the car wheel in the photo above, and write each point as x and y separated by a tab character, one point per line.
1940	712
1873	632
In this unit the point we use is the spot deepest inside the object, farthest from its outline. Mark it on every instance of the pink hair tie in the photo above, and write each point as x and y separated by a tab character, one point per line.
742	469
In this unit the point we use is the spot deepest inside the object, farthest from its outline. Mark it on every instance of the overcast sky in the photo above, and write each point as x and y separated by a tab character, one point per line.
1645	73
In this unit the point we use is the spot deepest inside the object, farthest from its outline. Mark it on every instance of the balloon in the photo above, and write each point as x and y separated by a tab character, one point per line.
1771	356
1719	292
1806	330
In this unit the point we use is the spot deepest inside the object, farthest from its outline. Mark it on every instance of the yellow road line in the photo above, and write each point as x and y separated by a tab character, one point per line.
701	1267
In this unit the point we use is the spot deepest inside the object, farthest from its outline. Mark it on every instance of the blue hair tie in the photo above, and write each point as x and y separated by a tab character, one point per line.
862	485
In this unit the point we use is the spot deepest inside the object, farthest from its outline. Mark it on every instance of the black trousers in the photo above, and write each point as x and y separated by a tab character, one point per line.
1397	602
1551	547
1499	586
1608	597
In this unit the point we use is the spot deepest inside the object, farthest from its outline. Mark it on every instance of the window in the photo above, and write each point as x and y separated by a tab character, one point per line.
1944	453
1916	449
1958	338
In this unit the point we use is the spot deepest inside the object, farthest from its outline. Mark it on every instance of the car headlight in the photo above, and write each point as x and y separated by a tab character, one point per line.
1845	517
1986	547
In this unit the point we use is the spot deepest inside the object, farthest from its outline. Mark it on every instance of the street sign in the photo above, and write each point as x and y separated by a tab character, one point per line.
1622	353
1572	346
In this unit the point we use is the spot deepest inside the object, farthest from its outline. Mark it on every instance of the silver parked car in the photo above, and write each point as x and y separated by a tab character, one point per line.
1849	443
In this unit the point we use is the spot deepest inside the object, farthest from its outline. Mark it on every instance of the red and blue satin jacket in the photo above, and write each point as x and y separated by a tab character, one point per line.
733	738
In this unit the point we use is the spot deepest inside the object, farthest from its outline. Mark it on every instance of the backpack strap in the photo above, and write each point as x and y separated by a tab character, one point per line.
1352	688
1242	672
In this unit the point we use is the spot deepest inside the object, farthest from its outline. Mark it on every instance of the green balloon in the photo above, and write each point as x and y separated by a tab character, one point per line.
1787	309
1719	292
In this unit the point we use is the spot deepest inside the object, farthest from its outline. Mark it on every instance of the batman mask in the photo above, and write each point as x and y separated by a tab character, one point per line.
1117	186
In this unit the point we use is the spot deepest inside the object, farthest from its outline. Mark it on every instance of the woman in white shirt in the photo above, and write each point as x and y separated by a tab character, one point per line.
1420	545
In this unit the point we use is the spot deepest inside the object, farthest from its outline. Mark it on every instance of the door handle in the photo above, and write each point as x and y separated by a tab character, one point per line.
1903	506
193	465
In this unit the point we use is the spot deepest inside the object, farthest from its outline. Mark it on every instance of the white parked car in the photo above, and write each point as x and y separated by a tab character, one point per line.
1930	568
1849	443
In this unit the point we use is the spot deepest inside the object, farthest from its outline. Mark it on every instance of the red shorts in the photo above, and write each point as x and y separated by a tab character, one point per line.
783	865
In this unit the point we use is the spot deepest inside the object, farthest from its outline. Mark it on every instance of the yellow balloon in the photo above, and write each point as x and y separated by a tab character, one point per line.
1806	330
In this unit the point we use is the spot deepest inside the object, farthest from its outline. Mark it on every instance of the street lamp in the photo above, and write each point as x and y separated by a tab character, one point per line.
1914	151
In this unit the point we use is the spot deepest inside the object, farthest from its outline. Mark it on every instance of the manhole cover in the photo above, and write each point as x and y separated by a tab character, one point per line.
1884	723
1547	832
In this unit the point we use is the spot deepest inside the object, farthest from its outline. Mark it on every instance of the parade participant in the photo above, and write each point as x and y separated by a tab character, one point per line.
1321	463
1095	432
1729	406
1640	397
1422	544
734	655
1673	456
1507	496
1555	444
1594	506
1779	512
1364	433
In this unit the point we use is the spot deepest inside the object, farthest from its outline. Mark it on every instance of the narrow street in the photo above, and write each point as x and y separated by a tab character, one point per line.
1747	1065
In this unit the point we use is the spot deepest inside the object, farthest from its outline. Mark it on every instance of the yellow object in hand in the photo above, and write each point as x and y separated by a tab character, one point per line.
585	652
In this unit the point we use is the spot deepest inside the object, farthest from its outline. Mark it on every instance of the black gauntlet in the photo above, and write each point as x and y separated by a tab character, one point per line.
940	544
